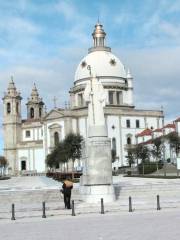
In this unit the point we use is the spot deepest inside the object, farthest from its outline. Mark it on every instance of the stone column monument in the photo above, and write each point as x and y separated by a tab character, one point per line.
96	182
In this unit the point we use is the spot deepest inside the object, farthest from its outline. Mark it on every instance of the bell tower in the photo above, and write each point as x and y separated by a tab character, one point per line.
35	105
11	124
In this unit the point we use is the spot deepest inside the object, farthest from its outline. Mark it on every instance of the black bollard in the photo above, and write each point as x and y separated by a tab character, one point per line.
73	209
102	206
13	212
158	203
44	210
130	204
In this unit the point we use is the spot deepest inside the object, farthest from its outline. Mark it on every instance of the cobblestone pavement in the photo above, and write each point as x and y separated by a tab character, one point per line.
162	225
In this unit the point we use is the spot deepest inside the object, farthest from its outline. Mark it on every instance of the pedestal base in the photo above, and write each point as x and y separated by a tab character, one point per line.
93	194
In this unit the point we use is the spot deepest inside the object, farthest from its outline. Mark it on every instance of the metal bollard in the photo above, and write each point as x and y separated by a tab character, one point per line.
13	212
102	206
44	210
158	203
130	204
73	209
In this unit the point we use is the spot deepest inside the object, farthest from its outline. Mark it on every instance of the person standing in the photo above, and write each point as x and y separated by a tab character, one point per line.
66	190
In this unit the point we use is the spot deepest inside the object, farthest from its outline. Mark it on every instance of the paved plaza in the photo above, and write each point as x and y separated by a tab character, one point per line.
145	222
28	193
162	225
28	183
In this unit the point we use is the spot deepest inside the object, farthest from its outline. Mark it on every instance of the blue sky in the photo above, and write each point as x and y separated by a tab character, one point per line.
43	41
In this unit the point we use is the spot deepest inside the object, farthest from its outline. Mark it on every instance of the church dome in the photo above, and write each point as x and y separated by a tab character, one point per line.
103	63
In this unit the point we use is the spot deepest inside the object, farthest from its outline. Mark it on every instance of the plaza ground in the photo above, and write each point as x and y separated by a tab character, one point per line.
159	225
145	222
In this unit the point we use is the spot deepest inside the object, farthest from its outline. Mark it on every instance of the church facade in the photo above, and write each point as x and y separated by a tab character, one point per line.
28	141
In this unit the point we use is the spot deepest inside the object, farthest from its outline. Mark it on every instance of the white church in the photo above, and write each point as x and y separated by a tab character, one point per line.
28	141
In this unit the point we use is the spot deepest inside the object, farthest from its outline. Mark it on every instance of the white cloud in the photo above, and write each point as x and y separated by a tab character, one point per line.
67	9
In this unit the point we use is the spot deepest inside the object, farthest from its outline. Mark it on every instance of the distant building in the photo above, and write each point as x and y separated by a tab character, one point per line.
28	141
147	136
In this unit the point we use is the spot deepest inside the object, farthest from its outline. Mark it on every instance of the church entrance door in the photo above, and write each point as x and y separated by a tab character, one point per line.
23	165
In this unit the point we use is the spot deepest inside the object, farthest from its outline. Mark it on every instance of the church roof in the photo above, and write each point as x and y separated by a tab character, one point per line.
146	132
170	125
103	63
158	130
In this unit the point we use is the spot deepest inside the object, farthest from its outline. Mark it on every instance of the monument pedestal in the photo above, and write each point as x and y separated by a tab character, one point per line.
96	181
94	193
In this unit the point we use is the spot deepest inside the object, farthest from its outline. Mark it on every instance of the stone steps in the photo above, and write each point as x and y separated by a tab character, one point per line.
28	203
33	196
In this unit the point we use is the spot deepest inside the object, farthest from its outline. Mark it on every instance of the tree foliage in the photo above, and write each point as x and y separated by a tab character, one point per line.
174	141
69	148
138	152
131	157
157	148
3	164
72	144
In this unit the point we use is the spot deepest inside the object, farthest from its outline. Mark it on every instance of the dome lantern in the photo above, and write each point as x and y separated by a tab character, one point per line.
99	35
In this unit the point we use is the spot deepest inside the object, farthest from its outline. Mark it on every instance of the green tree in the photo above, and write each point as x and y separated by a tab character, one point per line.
157	148
174	141
69	148
72	144
57	156
3	164
140	152
131	156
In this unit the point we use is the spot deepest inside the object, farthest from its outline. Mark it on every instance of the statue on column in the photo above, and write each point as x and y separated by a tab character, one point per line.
95	97
96	181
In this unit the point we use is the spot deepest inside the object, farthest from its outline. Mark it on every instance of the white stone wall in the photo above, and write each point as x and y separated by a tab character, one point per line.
74	125
34	157
60	122
83	126
36	134
178	127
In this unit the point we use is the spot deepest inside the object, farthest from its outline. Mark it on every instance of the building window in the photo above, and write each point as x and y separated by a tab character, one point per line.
114	145
8	108
128	140
128	124
23	165
118	97
56	138
28	133
31	112
40	112
137	124
80	99
111	95
17	107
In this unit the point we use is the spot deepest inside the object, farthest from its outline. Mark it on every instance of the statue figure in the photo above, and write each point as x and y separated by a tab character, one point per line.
95	97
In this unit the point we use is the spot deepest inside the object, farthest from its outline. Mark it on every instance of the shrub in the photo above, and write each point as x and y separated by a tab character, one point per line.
129	173
149	167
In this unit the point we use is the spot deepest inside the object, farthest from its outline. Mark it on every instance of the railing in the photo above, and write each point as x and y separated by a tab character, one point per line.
100	209
59	176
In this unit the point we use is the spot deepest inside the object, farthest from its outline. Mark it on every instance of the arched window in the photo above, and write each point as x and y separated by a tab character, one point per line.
128	140
31	112
17	107
8	108
114	144
56	138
